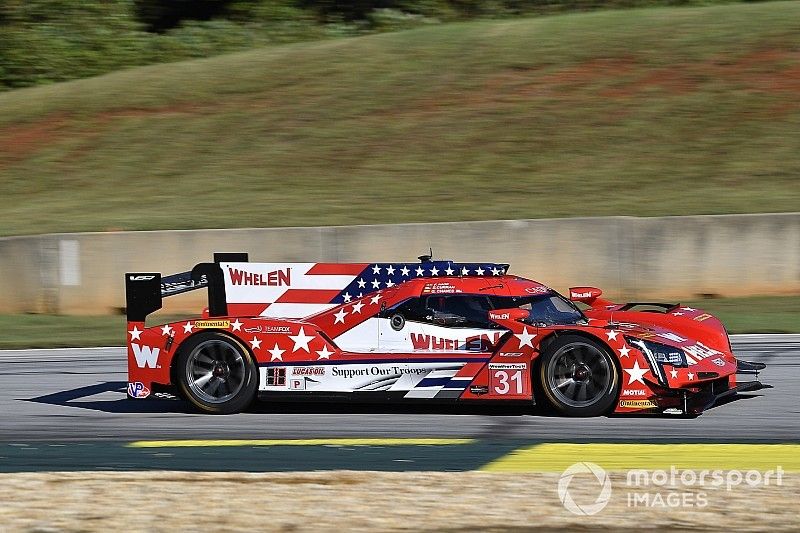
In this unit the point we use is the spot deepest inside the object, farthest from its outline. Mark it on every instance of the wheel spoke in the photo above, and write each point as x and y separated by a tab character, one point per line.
201	381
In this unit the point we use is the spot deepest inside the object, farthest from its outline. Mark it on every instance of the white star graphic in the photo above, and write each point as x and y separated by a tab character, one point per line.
361	283
255	343
636	373
376	269
301	340
360	295
390	270
276	353
324	353
404	271
495	271
346	297
690	376
357	307
135	332
688	309
480	271
449	270
375	299
624	351
420	271
525	338
236	325
376	284
464	271
390	283
673	373
187	328
166	329
434	271
612	335
340	316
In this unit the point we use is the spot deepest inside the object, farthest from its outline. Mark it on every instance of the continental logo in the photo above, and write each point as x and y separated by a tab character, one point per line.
217	324
637	404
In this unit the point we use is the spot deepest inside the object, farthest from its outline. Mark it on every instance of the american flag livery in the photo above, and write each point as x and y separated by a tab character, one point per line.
297	290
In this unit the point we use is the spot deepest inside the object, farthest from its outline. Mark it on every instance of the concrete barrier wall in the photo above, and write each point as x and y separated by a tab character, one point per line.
629	258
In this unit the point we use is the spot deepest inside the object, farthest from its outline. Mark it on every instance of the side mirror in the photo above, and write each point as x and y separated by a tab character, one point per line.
586	295
514	313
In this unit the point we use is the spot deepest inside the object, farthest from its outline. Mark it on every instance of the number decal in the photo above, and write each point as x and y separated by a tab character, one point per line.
508	381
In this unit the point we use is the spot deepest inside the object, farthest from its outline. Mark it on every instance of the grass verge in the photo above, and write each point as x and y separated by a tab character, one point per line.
658	111
763	314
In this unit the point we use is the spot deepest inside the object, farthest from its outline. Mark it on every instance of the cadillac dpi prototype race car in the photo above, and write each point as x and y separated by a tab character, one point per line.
430	331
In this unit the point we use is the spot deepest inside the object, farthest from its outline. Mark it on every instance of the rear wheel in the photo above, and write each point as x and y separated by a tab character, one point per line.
578	376
216	373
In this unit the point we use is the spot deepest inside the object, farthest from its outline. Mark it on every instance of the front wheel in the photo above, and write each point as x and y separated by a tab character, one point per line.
578	376
216	373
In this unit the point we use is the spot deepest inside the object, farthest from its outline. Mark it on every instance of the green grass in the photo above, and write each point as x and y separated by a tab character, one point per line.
763	314
662	111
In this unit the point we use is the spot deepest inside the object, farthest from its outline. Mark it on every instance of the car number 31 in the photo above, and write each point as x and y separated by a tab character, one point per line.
508	382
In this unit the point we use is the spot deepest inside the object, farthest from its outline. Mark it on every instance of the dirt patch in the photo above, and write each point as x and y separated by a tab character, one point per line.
19	141
367	501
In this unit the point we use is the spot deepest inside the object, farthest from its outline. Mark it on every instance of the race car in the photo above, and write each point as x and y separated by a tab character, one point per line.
432	330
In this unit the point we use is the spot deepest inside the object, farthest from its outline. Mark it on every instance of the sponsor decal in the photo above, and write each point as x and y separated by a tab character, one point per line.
537	290
637	404
146	356
698	352
268	329
141	278
704	316
430	342
276	278
499	316
719	361
576	295
510	354
205	324
479	389
309	371
137	389
634	392
439	288
297	383
352	372
508	366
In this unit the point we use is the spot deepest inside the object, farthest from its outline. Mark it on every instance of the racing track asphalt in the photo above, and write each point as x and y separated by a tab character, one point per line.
78	394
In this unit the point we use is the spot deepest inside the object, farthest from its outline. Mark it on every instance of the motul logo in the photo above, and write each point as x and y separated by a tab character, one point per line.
276	278
146	357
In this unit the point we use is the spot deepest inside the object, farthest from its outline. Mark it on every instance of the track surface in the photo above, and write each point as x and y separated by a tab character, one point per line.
78	394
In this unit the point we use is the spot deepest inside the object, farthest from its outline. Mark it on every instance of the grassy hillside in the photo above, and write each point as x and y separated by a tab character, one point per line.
641	112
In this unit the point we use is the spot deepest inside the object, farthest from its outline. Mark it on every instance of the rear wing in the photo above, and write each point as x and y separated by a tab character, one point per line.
145	291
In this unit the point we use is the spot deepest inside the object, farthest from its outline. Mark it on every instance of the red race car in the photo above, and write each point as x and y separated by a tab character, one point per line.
427	331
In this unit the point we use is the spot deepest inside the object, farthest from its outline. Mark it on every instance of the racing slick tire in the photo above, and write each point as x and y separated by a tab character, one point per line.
578	376
216	373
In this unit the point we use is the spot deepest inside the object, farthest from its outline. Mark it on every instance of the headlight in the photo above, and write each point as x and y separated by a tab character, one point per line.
662	353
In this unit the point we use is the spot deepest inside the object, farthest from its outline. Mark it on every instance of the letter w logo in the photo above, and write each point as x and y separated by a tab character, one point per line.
145	356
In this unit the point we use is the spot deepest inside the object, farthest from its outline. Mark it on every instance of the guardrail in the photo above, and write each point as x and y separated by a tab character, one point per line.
629	257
